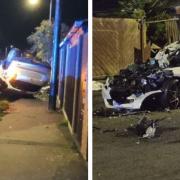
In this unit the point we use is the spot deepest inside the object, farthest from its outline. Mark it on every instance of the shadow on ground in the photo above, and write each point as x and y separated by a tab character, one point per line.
12	95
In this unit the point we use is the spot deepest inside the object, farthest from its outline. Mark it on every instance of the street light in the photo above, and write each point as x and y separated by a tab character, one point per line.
37	2
33	2
50	10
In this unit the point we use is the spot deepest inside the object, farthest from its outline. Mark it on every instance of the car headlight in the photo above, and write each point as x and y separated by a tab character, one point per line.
11	73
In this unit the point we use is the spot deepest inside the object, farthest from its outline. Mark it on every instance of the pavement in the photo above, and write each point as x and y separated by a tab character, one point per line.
36	145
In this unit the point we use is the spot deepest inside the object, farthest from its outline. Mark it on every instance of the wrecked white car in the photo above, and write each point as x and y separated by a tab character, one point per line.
23	73
155	83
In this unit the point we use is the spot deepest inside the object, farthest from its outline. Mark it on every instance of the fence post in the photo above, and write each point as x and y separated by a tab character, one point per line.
62	68
142	39
78	72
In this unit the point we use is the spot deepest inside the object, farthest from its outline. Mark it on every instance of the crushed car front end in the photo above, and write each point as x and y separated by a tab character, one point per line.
134	85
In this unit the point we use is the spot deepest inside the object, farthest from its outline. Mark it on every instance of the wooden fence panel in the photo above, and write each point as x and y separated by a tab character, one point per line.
114	43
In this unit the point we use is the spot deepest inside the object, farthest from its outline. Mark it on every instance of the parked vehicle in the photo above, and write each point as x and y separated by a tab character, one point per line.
23	73
156	82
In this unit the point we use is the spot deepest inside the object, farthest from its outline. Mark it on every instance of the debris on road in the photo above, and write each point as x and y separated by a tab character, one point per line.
97	86
167	110
109	130
105	112
43	94
145	128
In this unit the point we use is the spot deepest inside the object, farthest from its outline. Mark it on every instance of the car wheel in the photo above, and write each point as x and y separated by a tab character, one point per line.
3	85
171	94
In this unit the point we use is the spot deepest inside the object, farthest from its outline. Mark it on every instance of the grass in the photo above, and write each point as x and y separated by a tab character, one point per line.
64	123
4	105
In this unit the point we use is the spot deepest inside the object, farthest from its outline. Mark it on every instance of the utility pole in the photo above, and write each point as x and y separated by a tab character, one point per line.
55	62
50	10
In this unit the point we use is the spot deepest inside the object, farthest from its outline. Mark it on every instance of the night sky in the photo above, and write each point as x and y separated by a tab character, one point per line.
104	5
17	20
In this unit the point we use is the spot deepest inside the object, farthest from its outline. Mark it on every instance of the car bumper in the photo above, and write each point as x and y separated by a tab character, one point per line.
135	100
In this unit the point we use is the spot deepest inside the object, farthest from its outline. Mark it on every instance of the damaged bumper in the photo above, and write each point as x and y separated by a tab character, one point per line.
135	101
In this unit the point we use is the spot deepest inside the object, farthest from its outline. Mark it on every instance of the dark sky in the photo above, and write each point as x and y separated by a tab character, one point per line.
104	5
17	20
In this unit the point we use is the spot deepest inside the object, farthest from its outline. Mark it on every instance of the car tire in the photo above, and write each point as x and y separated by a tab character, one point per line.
3	85
171	94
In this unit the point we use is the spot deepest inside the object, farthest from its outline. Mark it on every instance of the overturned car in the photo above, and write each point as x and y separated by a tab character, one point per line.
22	73
154	83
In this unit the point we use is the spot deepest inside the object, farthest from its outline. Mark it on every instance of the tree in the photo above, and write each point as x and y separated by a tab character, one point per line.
151	9
42	40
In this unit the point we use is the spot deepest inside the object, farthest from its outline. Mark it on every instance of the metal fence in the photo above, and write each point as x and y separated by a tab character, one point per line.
171	27
72	92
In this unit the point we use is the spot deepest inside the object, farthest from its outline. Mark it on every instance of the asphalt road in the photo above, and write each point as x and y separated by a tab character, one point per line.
119	155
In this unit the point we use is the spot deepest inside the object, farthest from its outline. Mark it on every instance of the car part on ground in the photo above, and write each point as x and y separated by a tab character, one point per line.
43	94
144	128
97	86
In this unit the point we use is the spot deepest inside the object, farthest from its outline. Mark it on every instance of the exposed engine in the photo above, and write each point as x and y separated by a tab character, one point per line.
137	79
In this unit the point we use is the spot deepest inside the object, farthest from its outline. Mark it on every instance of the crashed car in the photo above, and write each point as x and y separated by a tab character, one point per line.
154	82
22	73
